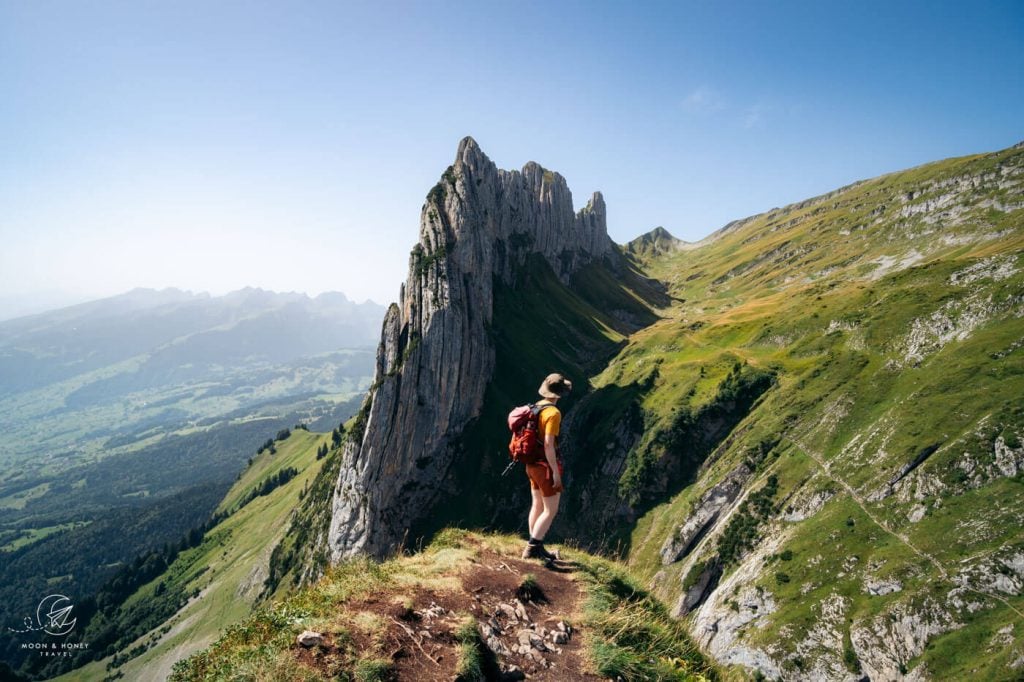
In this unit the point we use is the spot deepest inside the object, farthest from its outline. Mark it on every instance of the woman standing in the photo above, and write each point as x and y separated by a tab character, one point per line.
546	475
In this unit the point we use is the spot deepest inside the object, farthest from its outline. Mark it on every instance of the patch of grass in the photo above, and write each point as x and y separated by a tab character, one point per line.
850	659
742	531
262	637
632	637
19	499
693	575
529	590
453	538
302	546
673	455
263	634
373	670
471	660
22	537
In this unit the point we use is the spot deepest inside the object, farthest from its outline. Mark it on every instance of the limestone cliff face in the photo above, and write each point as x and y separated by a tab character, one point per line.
436	354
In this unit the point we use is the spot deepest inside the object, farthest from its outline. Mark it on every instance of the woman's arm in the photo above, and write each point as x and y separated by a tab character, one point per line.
549	454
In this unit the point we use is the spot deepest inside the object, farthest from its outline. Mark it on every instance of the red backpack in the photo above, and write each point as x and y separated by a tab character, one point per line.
526	445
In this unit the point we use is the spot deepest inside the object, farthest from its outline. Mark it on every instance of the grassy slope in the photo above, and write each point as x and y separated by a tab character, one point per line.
227	569
826	294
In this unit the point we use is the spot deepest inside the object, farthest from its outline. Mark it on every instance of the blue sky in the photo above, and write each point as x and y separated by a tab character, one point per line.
290	145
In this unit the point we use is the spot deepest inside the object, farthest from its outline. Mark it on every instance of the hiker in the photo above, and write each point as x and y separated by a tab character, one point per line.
546	474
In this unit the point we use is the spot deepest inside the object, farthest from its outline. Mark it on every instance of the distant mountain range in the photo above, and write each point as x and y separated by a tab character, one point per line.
151	358
177	328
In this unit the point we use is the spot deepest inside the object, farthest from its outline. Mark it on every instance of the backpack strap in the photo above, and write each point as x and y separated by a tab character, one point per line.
540	407
537	408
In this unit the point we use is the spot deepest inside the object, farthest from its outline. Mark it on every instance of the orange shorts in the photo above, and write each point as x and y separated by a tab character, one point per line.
541	479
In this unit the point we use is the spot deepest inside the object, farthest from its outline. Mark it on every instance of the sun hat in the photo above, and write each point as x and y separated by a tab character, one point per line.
555	386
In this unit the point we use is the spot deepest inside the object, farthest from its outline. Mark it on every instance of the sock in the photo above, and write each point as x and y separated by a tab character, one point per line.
534	541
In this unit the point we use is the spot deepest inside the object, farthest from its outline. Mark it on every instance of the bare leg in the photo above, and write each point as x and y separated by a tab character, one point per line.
540	528
536	509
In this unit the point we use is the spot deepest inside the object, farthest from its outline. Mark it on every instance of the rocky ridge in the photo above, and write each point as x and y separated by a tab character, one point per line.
436	355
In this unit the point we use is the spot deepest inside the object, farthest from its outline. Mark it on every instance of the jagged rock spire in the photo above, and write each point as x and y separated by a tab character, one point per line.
436	354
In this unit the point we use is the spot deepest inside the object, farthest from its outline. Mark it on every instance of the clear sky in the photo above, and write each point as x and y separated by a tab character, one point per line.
290	145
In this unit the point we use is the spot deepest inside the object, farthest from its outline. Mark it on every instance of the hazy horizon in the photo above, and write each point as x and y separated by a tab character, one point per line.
15	306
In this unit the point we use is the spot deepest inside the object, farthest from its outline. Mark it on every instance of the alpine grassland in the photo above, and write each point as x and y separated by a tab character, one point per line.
889	314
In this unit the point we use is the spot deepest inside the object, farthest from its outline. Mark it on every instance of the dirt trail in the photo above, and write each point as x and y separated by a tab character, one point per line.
529	634
494	586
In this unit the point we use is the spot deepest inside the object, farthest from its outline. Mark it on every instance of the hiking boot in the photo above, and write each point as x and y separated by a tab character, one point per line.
549	556
533	551
537	551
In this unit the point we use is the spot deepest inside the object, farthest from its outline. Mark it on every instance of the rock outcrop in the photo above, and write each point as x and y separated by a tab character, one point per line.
704	516
436	354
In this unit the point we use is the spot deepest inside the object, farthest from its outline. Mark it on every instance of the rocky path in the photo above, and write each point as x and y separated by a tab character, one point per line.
531	626
527	616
